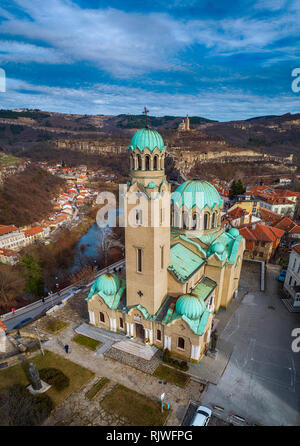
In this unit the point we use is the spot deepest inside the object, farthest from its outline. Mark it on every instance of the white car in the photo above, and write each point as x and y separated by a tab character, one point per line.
202	416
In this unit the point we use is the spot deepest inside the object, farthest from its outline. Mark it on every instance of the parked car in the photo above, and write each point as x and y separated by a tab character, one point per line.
282	275
202	416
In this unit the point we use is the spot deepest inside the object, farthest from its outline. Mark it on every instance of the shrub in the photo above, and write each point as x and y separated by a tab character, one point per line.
55	378
184	366
18	407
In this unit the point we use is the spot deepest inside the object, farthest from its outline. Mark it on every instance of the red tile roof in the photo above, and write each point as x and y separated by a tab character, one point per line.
237	212
33	231
3	326
260	232
7	229
297	248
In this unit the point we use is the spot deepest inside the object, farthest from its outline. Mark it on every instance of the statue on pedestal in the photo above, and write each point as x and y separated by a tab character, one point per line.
34	377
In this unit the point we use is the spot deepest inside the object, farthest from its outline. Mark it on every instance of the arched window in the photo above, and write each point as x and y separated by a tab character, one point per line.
131	162
121	322
139	162
155	162
147	162
196	220
185	223
213	222
205	223
102	318
162	161
181	343
158	335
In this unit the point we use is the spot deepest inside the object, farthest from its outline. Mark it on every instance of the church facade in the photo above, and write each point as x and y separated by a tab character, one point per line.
181	265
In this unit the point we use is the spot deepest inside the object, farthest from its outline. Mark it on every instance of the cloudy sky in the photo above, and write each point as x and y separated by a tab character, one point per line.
220	59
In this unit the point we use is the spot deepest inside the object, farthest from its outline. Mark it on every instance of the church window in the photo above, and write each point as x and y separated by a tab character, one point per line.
158	335
139	160
139	260
213	220
196	220
162	257
139	217
121	322
181	343
102	318
205	221
185	220
155	162
147	162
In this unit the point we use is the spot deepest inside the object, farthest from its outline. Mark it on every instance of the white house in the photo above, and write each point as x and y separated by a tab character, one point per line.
292	279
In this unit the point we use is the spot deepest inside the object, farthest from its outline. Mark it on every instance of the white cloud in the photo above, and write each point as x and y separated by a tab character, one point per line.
114	99
130	44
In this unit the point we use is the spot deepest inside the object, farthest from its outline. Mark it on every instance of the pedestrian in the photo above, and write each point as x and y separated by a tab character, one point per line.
43	299
13	310
67	348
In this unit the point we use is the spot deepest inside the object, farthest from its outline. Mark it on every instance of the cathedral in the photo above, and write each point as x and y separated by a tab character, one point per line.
179	270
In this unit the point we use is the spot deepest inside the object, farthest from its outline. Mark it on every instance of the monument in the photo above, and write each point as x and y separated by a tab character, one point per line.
36	384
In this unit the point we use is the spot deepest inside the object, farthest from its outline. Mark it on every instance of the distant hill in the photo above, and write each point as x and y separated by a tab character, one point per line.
27	132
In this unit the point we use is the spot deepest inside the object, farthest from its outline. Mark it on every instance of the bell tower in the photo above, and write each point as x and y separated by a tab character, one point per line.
147	232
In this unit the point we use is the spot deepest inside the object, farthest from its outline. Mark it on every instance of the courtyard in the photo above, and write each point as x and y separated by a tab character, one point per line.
262	380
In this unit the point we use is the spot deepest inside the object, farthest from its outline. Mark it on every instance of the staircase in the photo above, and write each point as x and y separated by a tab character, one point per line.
143	351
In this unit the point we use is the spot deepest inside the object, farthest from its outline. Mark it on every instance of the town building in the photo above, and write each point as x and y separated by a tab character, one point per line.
261	241
181	265
292	278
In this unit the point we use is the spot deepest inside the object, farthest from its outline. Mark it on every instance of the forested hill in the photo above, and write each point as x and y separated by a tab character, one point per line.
26	196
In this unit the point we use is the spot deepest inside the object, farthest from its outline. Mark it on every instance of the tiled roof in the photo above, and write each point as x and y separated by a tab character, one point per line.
297	248
237	212
33	231
3	326
261	233
7	229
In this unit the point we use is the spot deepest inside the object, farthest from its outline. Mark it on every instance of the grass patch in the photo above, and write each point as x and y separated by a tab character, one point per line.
171	375
96	388
78	375
55	325
90	343
138	409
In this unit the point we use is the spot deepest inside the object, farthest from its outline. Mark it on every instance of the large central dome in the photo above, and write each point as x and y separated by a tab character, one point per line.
197	193
147	138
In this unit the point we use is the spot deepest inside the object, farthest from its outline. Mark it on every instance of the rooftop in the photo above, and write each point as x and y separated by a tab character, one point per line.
183	262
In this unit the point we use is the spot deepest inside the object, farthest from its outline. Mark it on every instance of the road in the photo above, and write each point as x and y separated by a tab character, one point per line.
35	309
262	380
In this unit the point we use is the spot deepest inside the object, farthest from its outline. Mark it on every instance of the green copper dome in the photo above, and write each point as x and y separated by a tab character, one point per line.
218	248
151	185
190	306
147	138
234	232
199	193
108	284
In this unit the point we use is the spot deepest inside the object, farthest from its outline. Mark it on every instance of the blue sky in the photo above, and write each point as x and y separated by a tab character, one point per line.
219	59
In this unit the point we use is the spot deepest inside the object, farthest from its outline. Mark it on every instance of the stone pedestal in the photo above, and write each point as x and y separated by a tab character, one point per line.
212	354
43	389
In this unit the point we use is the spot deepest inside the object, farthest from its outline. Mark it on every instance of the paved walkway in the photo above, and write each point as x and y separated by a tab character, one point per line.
120	373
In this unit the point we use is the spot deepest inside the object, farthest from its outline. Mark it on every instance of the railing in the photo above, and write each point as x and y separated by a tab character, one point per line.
50	300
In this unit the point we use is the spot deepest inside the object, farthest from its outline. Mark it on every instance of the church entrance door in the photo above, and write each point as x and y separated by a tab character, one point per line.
139	331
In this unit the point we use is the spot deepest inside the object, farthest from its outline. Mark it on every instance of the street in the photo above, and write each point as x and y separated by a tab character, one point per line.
37	308
262	380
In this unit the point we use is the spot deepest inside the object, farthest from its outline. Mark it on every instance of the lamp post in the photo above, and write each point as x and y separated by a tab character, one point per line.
162	396
38	335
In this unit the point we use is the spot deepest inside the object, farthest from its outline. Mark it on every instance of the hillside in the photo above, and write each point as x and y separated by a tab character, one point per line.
97	140
26	196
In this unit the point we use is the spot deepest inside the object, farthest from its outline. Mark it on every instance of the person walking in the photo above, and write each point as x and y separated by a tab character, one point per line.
67	348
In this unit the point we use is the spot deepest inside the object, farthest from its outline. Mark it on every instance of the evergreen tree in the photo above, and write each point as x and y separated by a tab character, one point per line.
33	275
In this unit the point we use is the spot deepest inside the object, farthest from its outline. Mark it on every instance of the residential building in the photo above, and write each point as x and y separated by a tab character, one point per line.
261	241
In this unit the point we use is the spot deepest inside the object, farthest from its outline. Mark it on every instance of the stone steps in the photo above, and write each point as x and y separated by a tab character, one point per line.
142	351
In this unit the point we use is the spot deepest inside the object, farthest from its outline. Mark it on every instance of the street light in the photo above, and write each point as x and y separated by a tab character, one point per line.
162	396
38	335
